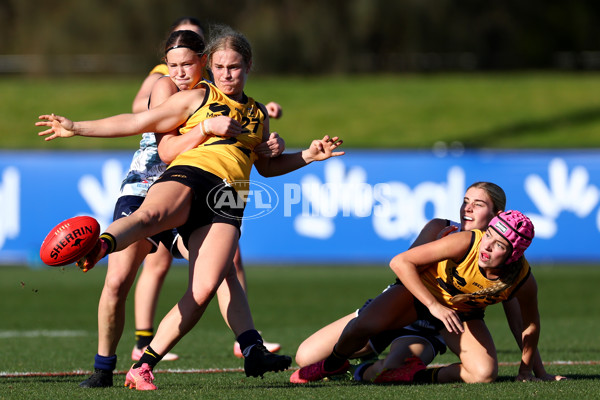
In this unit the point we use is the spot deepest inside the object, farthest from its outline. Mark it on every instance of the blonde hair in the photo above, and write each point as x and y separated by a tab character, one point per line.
224	37
508	279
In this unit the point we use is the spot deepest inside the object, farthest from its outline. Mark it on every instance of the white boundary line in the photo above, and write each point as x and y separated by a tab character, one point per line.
41	333
229	370
82	373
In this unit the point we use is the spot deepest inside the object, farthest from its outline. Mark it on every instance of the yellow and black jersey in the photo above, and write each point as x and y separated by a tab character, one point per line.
448	279
160	69
228	158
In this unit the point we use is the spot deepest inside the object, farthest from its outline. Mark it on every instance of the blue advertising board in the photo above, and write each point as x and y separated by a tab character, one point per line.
363	207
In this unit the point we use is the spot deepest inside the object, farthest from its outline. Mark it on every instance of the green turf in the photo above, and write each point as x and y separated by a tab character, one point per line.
520	110
289	303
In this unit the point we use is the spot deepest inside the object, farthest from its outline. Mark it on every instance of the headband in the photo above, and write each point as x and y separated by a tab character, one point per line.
178	46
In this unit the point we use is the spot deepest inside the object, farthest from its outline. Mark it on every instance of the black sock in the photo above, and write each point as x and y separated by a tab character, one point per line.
149	357
248	339
335	361
429	375
143	337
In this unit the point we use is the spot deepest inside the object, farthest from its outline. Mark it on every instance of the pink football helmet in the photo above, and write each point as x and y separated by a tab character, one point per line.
517	229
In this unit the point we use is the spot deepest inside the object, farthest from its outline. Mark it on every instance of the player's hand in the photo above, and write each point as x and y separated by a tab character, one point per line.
88	261
446	231
272	147
323	149
274	110
222	126
549	377
58	126
448	316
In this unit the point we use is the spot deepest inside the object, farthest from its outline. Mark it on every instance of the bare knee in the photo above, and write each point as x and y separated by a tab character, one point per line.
303	355
201	295
116	285
314	349
481	373
157	265
319	345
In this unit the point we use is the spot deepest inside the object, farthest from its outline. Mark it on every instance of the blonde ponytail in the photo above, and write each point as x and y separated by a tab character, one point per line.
505	282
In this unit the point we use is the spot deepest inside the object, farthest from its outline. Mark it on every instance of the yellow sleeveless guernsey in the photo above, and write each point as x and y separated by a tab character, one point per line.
448	279
160	69
228	158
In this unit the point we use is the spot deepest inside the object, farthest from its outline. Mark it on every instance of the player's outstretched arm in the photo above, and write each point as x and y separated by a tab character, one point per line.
58	127
115	126
319	150
512	309
323	149
164	118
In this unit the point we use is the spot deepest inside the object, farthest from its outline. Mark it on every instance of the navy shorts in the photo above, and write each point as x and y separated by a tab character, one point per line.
424	314
215	201
382	340
127	205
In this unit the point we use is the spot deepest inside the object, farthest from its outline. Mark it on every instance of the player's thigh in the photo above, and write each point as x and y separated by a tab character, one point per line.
168	201
392	309
476	350
211	249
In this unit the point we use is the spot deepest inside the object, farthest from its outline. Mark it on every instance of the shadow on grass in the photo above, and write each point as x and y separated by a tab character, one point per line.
571	377
42	379
582	377
578	117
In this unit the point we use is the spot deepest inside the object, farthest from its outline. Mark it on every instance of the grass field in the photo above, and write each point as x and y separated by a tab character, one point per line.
510	110
48	326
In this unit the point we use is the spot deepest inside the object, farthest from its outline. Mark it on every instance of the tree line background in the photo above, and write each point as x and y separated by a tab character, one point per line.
308	36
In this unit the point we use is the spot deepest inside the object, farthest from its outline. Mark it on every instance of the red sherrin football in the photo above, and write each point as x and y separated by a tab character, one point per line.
69	241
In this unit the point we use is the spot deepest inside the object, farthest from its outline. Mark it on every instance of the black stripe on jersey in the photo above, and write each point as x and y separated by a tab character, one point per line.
232	141
448	288
470	247
245	151
223	141
206	93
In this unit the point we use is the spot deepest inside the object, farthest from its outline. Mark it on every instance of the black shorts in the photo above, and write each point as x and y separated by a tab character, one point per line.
382	340
424	314
215	201
127	205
